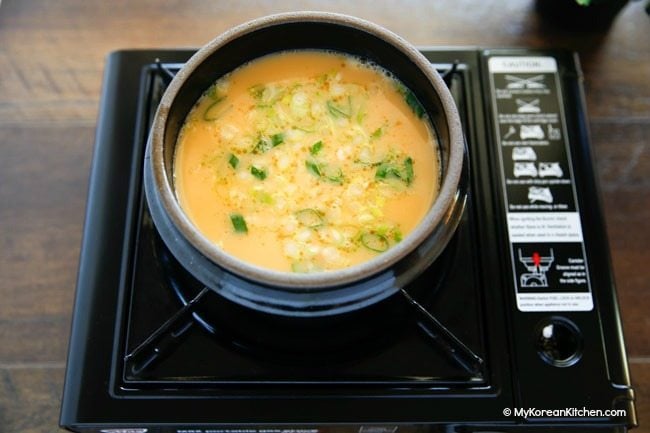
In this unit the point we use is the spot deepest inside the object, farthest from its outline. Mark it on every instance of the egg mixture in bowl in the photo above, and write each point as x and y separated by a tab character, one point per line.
306	164
306	161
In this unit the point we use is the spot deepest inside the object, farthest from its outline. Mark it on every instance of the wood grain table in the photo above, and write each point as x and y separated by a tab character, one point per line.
52	56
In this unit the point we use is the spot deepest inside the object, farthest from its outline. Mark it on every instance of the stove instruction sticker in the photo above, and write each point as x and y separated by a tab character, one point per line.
543	220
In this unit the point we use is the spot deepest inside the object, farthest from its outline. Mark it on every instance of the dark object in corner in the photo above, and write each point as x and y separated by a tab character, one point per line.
570	15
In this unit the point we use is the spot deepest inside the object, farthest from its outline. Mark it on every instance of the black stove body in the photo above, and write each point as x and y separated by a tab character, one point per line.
515	327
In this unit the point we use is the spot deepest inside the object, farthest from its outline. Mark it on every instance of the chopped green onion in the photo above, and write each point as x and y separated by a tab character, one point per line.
333	174
408	170
387	170
304	267
259	173
377	133
382	230
277	139
316	147
257	91
266	96
264	144
311	218
215	110
337	111
388	232
263	197
233	161
212	92
361	114
415	105
374	241
238	223
313	168
324	171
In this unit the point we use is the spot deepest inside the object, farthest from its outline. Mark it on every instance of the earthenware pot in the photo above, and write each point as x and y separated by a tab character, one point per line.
320	293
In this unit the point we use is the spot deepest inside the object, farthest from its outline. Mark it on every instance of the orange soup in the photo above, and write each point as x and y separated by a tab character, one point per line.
306	161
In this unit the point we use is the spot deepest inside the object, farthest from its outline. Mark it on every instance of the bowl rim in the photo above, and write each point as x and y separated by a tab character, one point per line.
436	215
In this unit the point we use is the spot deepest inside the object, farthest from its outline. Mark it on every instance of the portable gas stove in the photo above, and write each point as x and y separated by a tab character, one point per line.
514	328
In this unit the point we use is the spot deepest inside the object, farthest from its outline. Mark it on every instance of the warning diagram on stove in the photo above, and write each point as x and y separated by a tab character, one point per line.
550	269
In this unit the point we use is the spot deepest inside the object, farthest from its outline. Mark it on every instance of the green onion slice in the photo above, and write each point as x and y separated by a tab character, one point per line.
263	197
397	235
215	110
387	170
377	133
257	91
415	105
304	267
408	170
374	241
337	111
313	167
277	139
259	173
233	161
316	148
311	218
333	174
264	144
325	171
238	223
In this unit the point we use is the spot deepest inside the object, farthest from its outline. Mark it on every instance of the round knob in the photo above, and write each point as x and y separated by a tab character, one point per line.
558	341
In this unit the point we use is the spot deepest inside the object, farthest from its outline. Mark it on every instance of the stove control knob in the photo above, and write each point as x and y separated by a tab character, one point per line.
558	341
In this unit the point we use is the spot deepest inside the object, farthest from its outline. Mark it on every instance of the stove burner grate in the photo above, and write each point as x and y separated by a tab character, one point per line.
255	334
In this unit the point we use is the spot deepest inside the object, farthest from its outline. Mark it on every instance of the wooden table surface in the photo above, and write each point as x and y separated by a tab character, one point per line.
52	56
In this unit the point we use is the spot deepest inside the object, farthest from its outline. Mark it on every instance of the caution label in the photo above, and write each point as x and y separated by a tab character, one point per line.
547	251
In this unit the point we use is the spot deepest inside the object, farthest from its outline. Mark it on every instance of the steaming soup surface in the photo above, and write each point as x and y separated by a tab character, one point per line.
306	161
